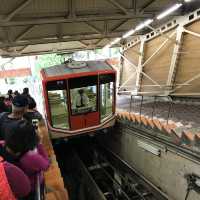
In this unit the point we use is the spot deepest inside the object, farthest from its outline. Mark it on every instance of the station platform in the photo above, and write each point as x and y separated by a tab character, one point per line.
54	184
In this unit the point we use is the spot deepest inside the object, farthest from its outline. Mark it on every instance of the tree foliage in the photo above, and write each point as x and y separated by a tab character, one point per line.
48	60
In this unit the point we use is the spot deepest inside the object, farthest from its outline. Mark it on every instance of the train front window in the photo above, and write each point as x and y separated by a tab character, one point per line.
57	98
83	93
106	95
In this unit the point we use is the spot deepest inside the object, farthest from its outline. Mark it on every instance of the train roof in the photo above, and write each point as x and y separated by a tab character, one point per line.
76	68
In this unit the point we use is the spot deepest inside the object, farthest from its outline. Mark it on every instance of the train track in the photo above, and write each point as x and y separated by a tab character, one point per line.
100	175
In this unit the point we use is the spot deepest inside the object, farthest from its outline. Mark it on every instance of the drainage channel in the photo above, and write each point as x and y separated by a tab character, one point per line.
91	172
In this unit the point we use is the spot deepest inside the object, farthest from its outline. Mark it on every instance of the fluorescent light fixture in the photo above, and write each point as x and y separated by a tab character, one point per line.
169	11
142	25
115	41
129	33
149	148
187	1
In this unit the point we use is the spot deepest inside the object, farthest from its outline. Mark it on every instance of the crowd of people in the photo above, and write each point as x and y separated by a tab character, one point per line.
22	155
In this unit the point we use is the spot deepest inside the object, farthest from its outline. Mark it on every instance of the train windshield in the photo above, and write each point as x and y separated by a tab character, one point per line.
57	97
83	93
106	95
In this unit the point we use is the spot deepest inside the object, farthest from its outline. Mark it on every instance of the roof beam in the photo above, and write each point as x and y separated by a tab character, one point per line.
59	31
16	10
105	27
55	20
147	4
94	28
72	8
28	30
55	40
119	24
118	5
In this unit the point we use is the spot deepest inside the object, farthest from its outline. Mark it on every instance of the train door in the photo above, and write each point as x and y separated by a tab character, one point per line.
83	102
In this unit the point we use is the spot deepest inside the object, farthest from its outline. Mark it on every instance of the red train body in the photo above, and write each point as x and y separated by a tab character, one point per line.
79	97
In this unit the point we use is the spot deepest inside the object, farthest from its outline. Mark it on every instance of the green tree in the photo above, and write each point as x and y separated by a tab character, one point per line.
47	60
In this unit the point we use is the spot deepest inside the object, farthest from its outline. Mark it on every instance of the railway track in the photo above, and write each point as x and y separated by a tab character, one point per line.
92	172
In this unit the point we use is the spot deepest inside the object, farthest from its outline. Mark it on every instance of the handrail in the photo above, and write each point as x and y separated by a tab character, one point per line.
39	195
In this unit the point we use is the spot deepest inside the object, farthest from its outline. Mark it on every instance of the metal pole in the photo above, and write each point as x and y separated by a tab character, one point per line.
153	110
141	106
38	192
131	103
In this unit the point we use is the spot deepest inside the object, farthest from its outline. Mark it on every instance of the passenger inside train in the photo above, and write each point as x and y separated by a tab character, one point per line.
83	99
22	155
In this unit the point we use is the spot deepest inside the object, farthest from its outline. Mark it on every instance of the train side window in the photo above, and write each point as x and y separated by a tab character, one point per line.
57	98
106	96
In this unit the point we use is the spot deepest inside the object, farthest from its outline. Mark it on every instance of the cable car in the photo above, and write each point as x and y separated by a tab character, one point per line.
79	97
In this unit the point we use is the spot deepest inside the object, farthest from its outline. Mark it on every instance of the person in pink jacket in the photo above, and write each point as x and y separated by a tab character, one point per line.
14	183
23	148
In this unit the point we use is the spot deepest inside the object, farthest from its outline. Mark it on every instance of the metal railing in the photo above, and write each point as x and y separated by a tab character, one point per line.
39	194
137	103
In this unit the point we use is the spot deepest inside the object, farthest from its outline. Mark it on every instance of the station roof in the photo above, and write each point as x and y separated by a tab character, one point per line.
30	27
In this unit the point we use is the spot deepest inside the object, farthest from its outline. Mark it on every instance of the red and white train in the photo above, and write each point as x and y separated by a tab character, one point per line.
79	97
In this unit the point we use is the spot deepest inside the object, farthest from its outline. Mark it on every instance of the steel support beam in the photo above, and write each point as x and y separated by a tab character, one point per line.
147	4
55	40
158	49
72	9
186	82
55	20
94	28
28	30
174	60
140	62
192	33
136	68
118	5
59	31
16	10
119	24
105	27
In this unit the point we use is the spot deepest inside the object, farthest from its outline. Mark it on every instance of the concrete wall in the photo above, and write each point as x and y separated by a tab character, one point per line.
166	172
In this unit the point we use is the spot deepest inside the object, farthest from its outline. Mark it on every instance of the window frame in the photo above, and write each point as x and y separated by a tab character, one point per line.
67	104
97	95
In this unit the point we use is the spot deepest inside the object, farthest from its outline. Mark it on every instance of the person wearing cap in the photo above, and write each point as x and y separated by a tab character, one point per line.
19	107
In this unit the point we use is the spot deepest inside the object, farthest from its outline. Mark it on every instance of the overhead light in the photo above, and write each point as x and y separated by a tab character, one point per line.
115	41
129	33
169	11
187	1
142	25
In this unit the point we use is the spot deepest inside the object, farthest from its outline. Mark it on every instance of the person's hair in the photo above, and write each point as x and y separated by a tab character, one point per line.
10	92
18	110
16	92
21	137
81	91
26	91
31	103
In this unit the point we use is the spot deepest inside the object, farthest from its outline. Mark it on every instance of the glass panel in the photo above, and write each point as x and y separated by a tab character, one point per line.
58	108
106	101
83	99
